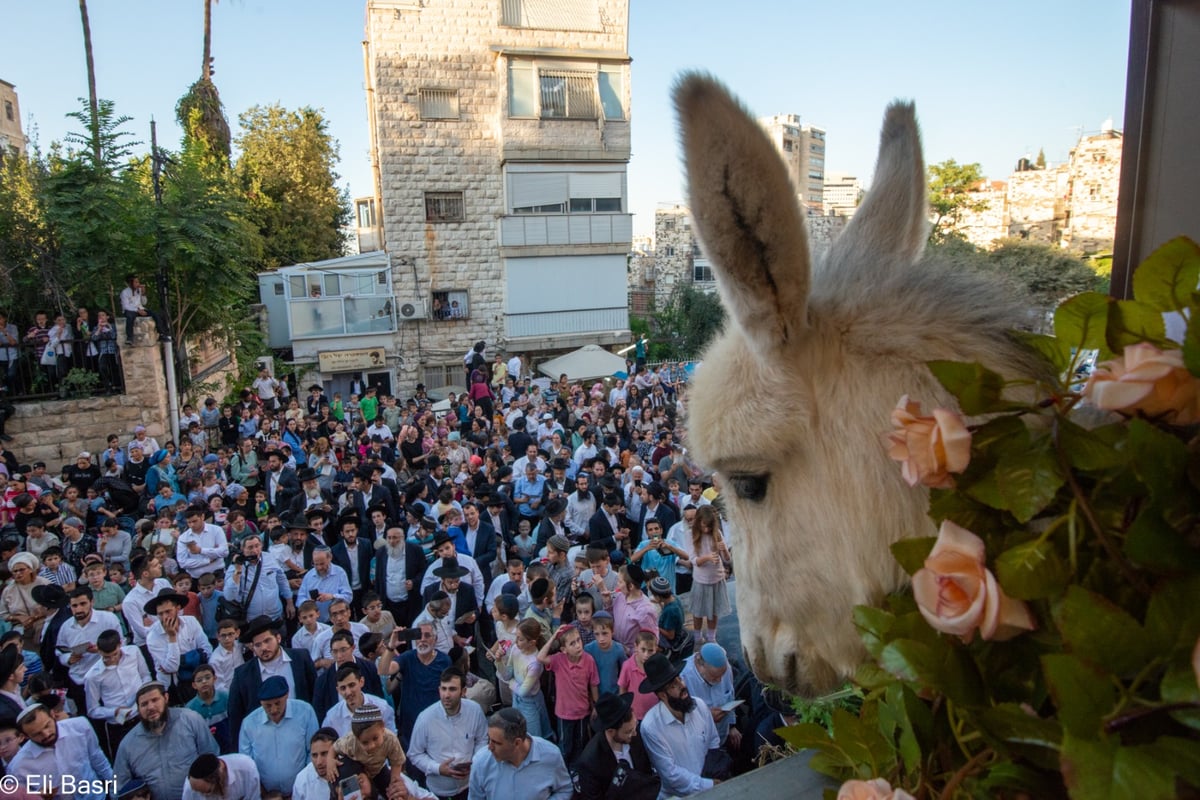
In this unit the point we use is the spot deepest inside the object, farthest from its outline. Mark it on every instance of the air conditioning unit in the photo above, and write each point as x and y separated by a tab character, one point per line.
266	363
411	309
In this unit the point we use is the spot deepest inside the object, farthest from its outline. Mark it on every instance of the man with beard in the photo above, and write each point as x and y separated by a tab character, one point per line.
231	777
614	764
678	732
399	565
325	582
78	637
311	494
420	671
61	757
202	546
516	764
177	643
446	736
159	750
257	582
481	539
270	658
353	555
581	505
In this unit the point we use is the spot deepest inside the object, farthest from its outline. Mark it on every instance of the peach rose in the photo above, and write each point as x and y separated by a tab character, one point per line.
878	789
957	594
929	448
1146	379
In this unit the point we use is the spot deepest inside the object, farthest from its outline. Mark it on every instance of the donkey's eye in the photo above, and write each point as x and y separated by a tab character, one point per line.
750	487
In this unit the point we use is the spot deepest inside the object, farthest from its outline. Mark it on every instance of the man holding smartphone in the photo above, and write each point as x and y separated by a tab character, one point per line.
445	738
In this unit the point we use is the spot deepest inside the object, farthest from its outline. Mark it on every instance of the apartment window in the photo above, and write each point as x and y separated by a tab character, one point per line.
444	207
787	145
439	103
8	110
669	224
668	251
566	192
366	213
702	273
437	375
583	91
816	176
595	205
450	304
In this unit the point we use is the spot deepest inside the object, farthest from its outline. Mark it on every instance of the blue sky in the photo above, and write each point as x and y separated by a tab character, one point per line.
992	81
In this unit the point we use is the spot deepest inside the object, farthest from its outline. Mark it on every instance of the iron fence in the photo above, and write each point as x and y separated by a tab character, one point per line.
34	370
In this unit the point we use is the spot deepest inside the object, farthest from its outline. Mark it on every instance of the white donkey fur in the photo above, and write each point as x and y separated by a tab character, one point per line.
798	389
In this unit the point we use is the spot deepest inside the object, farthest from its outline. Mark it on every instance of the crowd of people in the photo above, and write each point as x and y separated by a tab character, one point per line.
311	599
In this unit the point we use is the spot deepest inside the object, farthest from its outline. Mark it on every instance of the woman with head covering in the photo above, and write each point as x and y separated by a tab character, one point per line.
162	470
17	605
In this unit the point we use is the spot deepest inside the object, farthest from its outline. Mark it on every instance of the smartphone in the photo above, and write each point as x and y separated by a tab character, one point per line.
314	594
349	789
409	634
460	765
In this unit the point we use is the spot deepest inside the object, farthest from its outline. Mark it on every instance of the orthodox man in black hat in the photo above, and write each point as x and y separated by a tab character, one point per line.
270	658
614	765
311	494
464	603
678	732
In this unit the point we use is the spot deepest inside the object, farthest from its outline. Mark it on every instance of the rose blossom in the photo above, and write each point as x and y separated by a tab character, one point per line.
878	789
929	448
956	593
1146	379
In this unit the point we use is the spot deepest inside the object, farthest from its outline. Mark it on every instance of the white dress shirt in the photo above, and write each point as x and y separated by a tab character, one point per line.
436	736
133	607
224	662
677	749
317	643
213	549
338	717
167	654
72	634
468	563
76	752
281	666
109	688
242	784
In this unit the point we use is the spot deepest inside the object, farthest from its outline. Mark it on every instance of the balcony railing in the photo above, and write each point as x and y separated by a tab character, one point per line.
318	317
551	323
527	230
72	372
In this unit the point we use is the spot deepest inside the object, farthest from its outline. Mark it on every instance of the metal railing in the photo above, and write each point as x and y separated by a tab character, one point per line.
40	371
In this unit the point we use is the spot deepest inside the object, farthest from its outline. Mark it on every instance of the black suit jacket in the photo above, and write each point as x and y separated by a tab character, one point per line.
666	518
341	557
325	696
414	567
601	533
597	766
467	602
247	680
485	548
289	487
299	502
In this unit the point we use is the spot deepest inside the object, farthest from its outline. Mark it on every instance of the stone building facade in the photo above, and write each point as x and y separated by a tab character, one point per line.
11	135
501	136
1073	205
802	148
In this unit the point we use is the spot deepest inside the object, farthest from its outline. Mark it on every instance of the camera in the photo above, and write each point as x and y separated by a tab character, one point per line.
313	594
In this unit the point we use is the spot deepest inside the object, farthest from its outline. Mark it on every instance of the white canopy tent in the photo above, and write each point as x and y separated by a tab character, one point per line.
587	363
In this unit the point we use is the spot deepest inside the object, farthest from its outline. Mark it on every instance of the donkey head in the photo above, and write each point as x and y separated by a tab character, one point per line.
793	399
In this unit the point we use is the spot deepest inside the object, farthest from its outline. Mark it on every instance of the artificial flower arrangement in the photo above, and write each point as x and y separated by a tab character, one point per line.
1050	644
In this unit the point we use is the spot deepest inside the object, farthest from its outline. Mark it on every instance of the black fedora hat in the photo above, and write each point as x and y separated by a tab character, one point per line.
306	473
612	710
659	673
296	523
257	625
450	568
10	659
50	596
163	596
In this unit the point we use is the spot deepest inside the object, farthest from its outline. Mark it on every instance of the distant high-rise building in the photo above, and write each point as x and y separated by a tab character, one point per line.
803	150
842	194
11	136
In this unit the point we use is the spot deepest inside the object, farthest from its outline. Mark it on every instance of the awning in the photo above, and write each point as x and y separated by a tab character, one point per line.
587	363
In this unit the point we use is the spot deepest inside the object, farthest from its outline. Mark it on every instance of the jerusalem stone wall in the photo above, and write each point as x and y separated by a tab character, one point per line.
1095	179
455	44
673	243
55	431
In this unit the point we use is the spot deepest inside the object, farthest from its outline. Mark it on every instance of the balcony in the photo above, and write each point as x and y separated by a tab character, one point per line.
320	317
532	230
558	323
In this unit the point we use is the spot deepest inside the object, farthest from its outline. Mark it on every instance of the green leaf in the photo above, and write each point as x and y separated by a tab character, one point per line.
964	510
896	727
911	553
911	661
1107	771
1001	435
1029	481
1158	458
1166	279
977	388
873	626
1009	722
1090	449
1101	632
1054	350
1173	616
1081	320
1130	322
1191	346
1031	571
863	743
1153	543
1082	695
1179	686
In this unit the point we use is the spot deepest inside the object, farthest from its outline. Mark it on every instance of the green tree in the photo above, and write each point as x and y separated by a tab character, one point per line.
950	187
1049	274
287	171
200	111
28	244
1041	158
689	322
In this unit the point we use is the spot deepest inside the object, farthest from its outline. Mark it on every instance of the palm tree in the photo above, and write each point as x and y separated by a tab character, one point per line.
210	125
93	103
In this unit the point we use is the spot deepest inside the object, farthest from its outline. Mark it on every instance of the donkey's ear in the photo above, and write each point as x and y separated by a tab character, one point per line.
894	216
746	214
